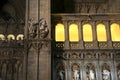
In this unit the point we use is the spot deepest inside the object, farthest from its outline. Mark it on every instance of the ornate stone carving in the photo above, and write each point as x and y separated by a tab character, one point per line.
59	45
43	28
74	56
89	56
32	28
39	30
104	55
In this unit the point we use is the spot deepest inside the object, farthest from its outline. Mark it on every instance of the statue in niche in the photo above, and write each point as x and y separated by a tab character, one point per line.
32	29
76	75
118	74
61	74
90	74
106	73
118	71
43	28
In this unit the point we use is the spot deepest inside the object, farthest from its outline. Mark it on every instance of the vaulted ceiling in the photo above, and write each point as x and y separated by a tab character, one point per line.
12	10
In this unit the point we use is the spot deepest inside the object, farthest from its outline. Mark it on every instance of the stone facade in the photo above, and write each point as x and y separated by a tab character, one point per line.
28	50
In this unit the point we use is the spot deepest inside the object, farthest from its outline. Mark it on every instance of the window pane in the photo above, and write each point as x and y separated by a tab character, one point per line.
101	32
115	32
59	32
87	32
73	33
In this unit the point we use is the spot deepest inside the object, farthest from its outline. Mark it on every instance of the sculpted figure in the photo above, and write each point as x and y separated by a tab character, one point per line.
32	28
76	75
43	29
61	74
106	74
91	75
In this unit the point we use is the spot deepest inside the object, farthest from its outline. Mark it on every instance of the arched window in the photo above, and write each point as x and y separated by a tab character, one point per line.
59	33
11	37
2	37
20	37
101	32
73	33
87	32
115	32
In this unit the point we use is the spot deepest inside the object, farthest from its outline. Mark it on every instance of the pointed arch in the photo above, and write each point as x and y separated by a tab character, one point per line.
73	33
87	32
101	32
59	33
115	32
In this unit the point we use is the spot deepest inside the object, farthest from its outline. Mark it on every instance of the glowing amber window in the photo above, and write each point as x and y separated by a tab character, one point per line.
59	33
73	33
87	32
11	37
115	32
101	32
2	37
20	37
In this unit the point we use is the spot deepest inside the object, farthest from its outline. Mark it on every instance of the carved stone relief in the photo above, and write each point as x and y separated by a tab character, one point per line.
38	30
104	56
43	28
32	29
74	56
89	56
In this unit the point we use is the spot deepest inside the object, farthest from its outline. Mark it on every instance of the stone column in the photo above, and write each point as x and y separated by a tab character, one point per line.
108	35
37	59
80	30
45	52
66	34
94	32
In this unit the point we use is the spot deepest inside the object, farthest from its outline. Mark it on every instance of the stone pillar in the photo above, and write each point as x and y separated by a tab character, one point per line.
66	34
37	59
94	32
44	12
45	52
108	35
80	30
